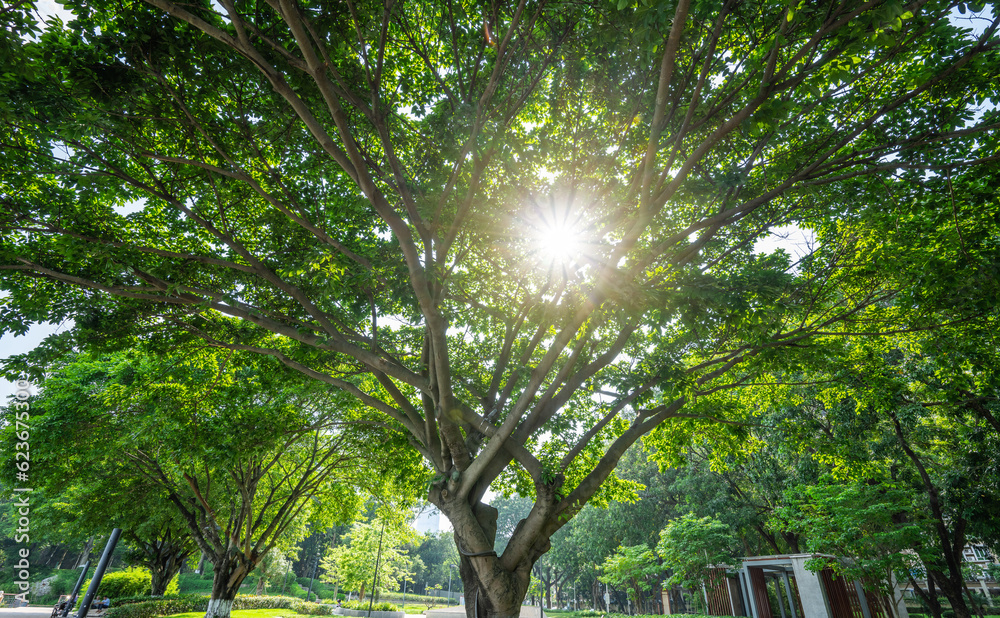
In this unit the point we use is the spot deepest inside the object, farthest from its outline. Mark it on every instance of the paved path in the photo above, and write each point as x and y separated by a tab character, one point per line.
25	612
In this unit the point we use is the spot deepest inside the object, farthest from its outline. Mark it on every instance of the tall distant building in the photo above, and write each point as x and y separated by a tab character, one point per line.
428	519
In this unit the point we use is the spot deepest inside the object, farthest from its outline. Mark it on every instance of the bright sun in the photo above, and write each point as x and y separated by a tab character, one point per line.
560	244
559	241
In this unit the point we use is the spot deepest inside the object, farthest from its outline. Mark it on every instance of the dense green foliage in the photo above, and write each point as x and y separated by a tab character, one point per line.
634	569
380	542
368	193
233	454
131	582
432	554
690	546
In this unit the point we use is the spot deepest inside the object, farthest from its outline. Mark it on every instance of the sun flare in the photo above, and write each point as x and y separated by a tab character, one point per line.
560	244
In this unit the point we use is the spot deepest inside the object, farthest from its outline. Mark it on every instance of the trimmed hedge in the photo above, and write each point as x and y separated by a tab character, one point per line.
145	597
383	606
159	607
415	598
165	606
249	601
312	609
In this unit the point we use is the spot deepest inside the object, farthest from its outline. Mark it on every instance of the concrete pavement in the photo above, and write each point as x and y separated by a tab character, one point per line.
25	612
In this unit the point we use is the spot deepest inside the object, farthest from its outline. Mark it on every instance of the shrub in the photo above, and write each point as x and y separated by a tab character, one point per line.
384	606
414	598
192	583
165	606
312	609
159	607
64	581
249	601
143	598
132	582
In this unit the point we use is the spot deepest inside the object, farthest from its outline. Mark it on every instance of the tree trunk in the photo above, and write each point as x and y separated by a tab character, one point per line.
953	591
929	597
227	577
86	553
164	557
497	593
161	577
951	541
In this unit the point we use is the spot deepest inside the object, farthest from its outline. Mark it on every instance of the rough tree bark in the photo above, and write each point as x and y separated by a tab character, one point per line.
230	571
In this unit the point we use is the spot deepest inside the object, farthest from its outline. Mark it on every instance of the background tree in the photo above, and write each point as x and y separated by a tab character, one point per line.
81	498
435	552
244	452
381	542
271	571
373	182
867	525
692	547
634	569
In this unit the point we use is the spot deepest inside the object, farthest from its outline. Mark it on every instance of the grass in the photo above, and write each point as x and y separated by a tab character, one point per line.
419	608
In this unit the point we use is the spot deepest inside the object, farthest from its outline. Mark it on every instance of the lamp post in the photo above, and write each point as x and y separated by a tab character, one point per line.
378	559
450	567
71	603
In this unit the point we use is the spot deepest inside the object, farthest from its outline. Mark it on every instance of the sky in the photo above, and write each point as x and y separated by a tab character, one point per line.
49	7
11	345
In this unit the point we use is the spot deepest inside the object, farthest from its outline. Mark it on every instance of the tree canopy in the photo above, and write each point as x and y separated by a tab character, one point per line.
369	192
379	543
233	454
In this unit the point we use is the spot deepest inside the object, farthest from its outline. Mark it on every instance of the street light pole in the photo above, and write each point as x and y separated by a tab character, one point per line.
450	567
378	559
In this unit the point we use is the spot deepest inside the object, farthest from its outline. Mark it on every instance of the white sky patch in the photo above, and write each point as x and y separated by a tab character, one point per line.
131	207
12	346
796	241
49	8
975	22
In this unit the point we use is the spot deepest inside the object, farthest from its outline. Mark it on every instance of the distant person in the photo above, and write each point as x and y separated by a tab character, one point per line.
106	603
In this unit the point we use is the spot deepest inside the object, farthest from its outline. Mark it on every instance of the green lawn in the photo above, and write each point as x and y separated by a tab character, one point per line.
419	608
